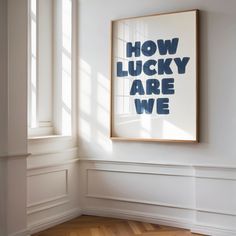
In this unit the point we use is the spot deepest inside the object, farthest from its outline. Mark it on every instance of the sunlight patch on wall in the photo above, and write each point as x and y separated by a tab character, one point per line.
85	87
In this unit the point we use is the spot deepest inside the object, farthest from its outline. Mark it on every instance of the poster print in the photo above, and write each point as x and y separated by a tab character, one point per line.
154	84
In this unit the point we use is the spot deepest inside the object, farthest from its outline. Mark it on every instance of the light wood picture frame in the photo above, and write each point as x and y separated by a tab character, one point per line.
154	78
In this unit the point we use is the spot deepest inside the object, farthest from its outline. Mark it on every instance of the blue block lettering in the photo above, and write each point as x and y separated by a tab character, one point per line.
120	72
133	49
137	87
168	86
144	106
146	67
149	48
181	64
135	71
163	106
164	66
167	46
152	86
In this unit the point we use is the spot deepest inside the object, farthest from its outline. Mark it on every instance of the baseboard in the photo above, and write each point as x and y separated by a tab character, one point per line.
138	216
214	231
54	220
159	219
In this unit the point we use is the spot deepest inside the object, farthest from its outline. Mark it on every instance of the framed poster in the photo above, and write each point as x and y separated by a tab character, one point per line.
154	78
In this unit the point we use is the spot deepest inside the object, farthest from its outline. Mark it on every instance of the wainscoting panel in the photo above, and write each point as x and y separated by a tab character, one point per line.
53	189
141	187
196	197
54	183
216	195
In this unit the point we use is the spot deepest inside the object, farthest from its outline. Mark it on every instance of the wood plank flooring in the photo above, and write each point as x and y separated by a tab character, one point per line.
102	226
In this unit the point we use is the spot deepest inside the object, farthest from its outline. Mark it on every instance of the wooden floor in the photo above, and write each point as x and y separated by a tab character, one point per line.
101	226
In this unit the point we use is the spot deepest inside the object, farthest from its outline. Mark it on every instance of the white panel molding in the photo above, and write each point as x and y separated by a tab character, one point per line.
216	219
54	220
161	169
61	152
133	200
217	212
46	138
96	196
223	173
136	215
59	206
52	159
205	210
197	171
124	162
47	204
157	172
44	170
158	219
214	231
38	209
15	155
52	201
49	200
53	145
55	165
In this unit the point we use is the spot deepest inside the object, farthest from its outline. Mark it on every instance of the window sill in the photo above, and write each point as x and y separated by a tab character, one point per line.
48	137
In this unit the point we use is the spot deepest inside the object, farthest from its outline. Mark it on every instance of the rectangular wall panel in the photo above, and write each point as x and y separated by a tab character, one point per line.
148	188
46	186
195	197
216	195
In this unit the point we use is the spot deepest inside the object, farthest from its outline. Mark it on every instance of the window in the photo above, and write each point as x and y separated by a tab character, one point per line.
51	62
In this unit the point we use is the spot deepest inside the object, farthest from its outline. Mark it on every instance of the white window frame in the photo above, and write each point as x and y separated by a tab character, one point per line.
54	127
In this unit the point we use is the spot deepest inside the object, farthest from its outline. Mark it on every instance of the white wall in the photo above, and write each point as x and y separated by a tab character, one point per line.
188	185
3	80
217	49
2	196
17	76
17	117
13	117
3	112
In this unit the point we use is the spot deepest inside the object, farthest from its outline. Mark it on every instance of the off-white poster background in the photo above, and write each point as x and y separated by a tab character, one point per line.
180	124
